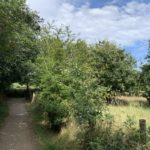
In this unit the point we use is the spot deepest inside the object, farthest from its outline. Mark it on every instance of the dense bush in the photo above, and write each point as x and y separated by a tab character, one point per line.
54	98
53	79
90	104
77	78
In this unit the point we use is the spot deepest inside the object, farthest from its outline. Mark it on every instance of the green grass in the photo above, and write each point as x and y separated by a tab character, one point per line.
17	86
3	112
120	113
136	109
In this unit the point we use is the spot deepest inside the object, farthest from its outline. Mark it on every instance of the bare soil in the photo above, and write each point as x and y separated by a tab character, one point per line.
17	133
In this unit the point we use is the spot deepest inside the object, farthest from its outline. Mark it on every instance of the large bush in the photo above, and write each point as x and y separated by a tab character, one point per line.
53	78
74	77
54	98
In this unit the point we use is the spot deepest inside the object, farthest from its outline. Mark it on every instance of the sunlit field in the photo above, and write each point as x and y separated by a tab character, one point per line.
134	107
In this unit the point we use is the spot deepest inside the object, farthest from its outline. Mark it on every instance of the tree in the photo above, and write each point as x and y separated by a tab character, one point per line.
113	67
66	80
19	29
145	78
88	96
79	75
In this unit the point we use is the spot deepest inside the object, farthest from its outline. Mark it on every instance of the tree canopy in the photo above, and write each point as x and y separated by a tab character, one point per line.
75	76
114	67
19	27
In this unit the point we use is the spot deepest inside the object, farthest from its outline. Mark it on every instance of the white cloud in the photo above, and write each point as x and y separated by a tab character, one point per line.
124	25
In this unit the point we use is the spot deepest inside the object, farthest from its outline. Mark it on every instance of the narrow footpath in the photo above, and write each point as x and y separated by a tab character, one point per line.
17	132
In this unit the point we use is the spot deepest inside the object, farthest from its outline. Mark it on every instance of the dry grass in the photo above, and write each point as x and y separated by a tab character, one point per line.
67	137
132	99
65	140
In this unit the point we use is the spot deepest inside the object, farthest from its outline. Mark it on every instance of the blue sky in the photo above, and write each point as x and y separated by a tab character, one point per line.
125	22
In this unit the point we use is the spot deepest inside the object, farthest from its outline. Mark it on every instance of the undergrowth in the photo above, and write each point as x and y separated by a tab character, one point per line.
48	139
104	137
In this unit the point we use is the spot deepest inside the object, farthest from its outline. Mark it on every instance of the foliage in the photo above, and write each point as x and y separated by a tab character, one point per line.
54	99
19	28
145	78
89	103
49	140
89	96
77	77
114	67
73	77
106	135
53	79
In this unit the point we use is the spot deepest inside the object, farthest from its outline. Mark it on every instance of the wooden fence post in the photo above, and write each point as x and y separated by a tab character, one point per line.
142	125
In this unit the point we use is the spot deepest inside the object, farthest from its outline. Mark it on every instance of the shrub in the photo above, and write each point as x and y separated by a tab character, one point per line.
90	104
54	99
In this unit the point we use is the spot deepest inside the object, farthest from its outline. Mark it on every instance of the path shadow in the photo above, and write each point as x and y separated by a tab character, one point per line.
16	93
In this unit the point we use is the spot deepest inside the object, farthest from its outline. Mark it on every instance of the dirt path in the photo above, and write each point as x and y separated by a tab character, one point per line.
17	132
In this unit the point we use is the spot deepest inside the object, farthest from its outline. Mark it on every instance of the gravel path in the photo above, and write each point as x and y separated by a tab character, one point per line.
17	133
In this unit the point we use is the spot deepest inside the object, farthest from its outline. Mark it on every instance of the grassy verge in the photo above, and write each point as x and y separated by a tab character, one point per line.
65	140
3	112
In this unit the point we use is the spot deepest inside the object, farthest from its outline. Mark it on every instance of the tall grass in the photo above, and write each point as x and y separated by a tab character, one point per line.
120	113
137	108
118	131
65	140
